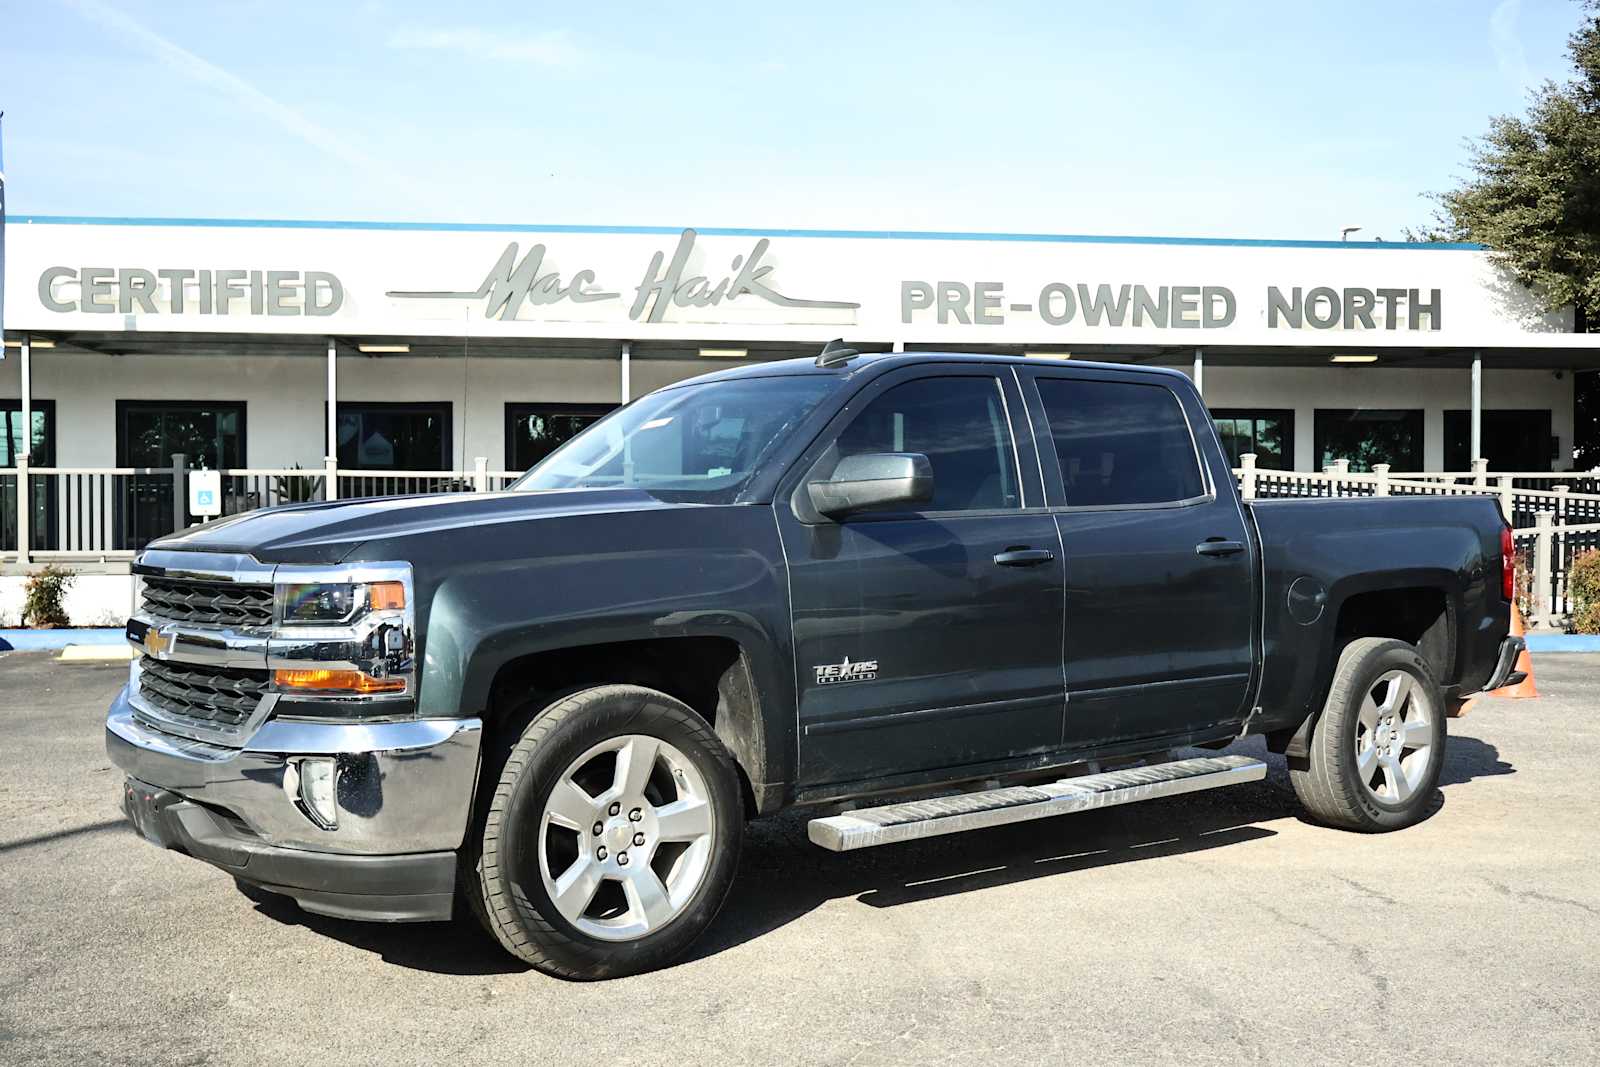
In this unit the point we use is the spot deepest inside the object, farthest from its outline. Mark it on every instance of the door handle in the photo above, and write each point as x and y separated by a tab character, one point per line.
1219	548
1024	557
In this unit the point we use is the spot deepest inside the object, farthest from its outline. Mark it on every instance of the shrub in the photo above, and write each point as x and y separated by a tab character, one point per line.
42	604
1583	583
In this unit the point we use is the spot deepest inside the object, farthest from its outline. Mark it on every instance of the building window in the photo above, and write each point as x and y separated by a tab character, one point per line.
1267	433
1120	443
1369	436
533	431
394	437
1512	440
209	434
42	520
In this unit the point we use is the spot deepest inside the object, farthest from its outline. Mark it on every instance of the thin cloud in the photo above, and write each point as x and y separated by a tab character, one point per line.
1510	56
552	48
209	74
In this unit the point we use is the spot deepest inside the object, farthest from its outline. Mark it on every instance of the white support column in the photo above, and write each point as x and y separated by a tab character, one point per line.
27	400
1200	371
330	460
1477	405
1247	475
627	371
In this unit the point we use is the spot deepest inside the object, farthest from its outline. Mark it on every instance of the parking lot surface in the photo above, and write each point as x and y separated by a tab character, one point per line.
1217	927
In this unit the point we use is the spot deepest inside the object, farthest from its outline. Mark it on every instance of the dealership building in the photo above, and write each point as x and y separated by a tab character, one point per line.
390	351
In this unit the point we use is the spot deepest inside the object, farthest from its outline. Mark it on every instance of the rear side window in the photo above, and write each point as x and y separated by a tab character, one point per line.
1120	442
959	423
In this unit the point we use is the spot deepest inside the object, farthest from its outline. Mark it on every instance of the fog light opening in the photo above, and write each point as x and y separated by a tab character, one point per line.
313	783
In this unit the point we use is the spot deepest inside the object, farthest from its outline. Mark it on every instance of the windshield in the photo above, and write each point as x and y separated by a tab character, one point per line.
695	442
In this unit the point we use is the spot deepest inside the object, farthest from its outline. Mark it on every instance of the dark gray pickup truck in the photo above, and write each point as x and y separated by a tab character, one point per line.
917	593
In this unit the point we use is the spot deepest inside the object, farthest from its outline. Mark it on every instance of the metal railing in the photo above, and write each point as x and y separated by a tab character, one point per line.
107	514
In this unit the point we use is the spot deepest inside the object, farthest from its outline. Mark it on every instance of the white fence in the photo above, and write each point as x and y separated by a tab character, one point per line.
106	514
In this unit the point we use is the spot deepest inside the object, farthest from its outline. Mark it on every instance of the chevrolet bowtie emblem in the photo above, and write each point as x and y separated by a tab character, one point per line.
156	643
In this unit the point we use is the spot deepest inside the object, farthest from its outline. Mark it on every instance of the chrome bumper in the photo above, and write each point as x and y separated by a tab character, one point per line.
401	787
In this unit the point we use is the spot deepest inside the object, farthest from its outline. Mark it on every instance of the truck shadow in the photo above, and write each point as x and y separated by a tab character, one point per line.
783	877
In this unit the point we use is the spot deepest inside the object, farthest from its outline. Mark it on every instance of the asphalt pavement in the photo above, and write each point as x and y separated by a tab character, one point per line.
1214	928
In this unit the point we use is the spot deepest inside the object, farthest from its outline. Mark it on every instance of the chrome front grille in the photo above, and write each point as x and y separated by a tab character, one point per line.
235	604
205	695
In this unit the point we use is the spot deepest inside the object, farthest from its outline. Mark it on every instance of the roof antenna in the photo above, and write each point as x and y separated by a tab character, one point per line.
835	352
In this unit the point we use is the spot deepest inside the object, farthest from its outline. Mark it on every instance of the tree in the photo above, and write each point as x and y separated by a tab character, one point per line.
1532	196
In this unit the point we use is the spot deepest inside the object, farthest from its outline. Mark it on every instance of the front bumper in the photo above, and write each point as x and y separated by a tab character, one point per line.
404	792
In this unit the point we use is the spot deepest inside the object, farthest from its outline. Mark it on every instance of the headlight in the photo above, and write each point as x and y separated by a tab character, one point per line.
314	602
344	641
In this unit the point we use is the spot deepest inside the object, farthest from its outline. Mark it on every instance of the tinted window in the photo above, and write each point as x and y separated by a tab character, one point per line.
1368	436
1267	434
1120	442
394	437
533	431
959	424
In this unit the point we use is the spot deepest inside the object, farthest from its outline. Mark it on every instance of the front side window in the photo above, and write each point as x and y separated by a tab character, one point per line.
698	442
959	423
1120	443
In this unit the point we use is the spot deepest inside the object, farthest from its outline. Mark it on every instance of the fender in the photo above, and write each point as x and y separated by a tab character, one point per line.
575	582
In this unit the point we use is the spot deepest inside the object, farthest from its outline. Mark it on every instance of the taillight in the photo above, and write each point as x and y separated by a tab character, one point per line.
1508	564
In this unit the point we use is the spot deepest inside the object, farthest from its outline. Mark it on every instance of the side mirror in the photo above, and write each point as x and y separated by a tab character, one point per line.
873	480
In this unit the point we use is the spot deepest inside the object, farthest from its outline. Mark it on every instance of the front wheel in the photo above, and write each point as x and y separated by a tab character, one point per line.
613	834
1377	749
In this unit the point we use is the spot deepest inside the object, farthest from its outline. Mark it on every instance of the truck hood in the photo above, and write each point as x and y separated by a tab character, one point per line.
327	532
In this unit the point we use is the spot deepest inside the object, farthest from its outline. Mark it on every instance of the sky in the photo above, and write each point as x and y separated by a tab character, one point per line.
1216	119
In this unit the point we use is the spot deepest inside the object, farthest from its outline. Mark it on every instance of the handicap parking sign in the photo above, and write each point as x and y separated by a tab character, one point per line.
205	493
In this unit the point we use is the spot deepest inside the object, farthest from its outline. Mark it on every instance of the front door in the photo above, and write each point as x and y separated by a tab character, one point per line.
927	639
1160	594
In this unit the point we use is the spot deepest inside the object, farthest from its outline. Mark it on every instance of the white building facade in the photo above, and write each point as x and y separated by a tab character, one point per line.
468	352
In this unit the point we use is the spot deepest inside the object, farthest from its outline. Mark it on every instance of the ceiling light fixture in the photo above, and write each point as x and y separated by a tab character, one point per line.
1354	357
37	342
724	353
1048	355
376	349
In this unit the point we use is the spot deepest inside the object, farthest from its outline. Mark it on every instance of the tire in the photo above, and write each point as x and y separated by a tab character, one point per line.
1376	750
538	841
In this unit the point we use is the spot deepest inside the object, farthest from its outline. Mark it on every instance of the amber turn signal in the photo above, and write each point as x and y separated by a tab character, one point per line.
386	596
329	681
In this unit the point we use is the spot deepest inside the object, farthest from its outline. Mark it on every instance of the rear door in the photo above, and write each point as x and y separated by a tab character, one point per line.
930	638
1159	566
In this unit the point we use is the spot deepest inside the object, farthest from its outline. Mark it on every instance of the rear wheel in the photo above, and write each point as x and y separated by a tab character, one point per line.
1377	748
613	834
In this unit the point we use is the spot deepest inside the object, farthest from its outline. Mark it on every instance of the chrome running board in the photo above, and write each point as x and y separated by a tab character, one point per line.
866	827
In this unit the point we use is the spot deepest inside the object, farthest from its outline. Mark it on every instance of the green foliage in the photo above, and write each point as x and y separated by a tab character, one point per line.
1533	191
1583	582
42	605
1532	195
